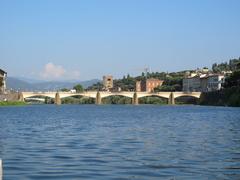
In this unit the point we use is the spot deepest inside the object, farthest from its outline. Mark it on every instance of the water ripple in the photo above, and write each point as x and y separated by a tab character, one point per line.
120	142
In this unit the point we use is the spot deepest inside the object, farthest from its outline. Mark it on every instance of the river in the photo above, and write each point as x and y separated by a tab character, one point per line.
119	142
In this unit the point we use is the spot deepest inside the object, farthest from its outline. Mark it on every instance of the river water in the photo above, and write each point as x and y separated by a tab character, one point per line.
119	142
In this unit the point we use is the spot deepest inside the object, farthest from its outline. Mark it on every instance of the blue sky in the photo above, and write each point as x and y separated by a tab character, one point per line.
74	39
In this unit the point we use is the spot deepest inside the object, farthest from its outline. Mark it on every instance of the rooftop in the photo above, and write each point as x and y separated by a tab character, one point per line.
2	71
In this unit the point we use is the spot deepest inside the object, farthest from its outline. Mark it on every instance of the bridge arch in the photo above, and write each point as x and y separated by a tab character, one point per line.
153	95
34	98
181	94
130	95
76	94
38	95
186	99
159	94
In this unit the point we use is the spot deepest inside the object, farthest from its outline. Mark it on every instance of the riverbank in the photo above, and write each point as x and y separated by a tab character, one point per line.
12	103
224	97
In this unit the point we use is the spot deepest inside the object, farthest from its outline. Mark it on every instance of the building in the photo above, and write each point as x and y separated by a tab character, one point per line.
3	77
192	84
138	86
107	82
148	85
203	83
215	82
205	70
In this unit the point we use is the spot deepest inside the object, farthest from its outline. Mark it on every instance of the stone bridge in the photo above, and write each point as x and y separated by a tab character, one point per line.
98	95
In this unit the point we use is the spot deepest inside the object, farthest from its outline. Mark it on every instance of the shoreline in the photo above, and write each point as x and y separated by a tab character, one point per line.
20	103
12	103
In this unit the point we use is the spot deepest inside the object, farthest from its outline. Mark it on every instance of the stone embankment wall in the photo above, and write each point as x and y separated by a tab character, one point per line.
10	97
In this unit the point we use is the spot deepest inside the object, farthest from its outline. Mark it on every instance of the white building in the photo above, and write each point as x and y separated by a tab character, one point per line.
215	82
3	77
192	84
203	83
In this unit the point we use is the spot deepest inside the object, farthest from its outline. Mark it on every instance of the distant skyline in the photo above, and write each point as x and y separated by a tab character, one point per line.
76	39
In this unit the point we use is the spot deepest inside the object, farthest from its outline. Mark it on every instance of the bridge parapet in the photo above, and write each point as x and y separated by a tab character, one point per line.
120	93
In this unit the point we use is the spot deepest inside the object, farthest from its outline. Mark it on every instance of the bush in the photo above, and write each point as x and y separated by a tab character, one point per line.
116	100
12	103
152	100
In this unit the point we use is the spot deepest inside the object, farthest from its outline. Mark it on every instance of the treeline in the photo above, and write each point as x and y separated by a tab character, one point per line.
232	65
172	81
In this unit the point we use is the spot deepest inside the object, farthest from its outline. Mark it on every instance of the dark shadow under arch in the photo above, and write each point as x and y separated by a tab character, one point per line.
186	100
153	99
116	99
78	99
47	99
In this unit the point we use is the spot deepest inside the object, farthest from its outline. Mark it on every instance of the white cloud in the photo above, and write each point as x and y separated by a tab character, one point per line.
57	72
52	71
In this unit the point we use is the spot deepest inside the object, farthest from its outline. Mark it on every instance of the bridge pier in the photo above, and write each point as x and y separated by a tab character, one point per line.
98	98
171	100
135	99
20	97
57	99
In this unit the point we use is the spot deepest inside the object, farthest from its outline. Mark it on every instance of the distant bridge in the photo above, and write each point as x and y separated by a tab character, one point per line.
98	95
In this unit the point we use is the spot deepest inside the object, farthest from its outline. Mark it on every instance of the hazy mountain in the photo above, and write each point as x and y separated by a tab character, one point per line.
16	84
34	85
29	80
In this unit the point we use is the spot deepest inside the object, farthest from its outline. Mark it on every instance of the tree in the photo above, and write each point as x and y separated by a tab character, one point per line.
233	80
64	90
214	67
78	88
96	87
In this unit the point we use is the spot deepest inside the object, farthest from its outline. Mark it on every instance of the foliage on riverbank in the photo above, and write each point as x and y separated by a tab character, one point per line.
127	100
152	100
78	100
148	100
225	97
12	103
117	100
